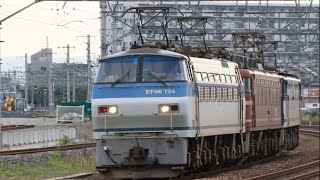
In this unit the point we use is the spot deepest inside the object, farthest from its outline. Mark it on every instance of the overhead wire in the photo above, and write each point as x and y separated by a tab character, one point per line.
62	18
40	22
65	13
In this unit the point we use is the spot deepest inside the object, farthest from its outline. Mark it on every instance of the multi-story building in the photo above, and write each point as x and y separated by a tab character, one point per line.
37	76
291	29
311	97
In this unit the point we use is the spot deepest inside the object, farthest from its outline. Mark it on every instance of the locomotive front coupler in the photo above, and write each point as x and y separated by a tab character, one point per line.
138	152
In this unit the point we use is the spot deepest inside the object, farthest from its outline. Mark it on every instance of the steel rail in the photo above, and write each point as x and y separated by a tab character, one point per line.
75	176
310	133
163	0
15	127
310	126
307	175
46	149
289	171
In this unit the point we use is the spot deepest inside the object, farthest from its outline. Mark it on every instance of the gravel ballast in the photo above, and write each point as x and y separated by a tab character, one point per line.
307	151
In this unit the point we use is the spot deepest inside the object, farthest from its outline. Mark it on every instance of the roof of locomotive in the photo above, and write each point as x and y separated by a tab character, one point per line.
267	73
145	51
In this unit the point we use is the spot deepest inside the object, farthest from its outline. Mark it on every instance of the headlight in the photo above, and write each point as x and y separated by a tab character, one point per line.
111	109
168	108
164	108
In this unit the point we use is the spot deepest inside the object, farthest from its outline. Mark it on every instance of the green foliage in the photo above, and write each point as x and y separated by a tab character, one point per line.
314	114
55	167
65	140
59	94
81	94
311	116
56	155
317	141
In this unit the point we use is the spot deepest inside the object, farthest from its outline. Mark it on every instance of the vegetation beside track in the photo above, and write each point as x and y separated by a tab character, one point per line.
57	166
311	116
50	164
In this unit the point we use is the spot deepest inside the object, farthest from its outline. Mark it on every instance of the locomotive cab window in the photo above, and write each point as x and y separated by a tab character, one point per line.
132	69
163	69
118	70
247	84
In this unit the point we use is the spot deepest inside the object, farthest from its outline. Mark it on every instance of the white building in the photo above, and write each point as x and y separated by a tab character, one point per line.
296	26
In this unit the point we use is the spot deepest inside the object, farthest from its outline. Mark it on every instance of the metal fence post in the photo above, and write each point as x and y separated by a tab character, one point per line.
82	113
0	140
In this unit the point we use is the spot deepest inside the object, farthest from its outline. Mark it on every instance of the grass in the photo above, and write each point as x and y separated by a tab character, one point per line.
55	167
65	140
317	141
313	116
310	139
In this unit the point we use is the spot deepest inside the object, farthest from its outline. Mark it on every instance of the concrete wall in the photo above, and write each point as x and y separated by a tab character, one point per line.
41	137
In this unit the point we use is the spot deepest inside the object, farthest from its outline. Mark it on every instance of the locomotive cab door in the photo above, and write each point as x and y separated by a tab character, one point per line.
192	78
242	98
285	104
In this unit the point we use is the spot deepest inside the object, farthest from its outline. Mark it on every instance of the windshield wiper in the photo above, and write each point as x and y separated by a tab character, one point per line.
157	78
120	79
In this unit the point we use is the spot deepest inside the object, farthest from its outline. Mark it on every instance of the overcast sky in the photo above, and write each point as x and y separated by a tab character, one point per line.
27	31
62	23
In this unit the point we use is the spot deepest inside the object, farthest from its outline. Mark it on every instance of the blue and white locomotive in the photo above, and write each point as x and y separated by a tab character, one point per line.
158	113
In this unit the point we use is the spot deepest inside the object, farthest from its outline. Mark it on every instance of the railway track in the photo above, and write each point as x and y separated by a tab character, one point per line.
45	149
76	176
211	173
310	132
306	171
15	127
315	127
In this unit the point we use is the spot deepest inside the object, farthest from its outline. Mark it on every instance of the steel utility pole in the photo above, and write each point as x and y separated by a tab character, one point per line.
15	83
103	26
1	21
50	90
26	78
1	94
89	67
89	70
50	84
68	71
73	89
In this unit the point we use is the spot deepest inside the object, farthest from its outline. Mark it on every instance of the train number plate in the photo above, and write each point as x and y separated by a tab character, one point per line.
160	91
